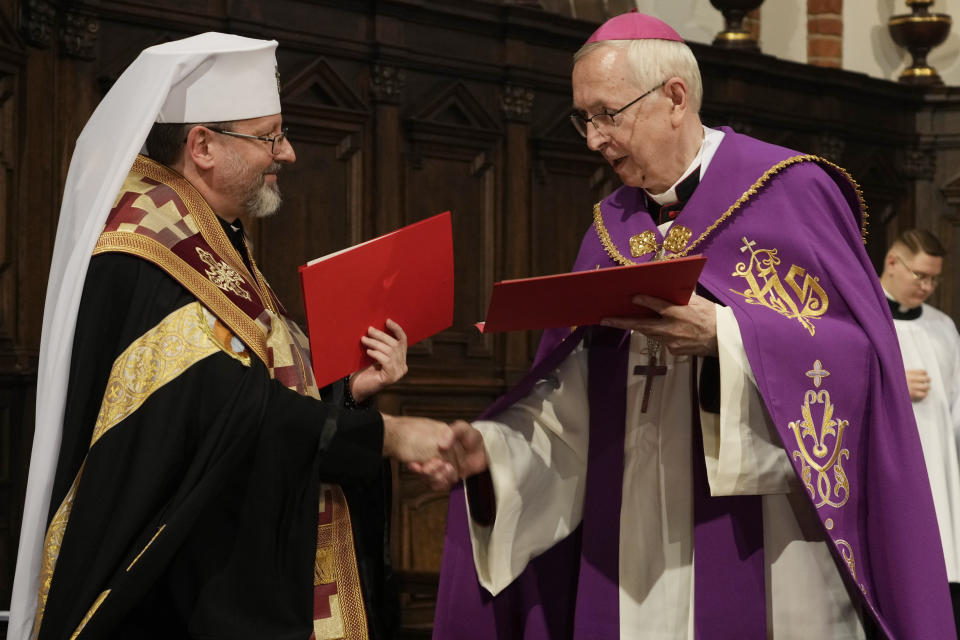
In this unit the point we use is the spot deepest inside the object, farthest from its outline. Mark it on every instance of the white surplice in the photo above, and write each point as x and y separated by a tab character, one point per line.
931	342
537	452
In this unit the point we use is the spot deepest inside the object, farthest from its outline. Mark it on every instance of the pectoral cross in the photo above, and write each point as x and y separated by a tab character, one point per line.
650	370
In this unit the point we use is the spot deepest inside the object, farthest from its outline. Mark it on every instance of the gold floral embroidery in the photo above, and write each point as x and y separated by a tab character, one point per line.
846	552
773	295
156	358
832	486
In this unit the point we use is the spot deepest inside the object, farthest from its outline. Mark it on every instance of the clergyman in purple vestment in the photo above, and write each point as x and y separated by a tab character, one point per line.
739	467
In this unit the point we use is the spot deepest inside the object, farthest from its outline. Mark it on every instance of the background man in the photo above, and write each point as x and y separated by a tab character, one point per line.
930	347
753	428
196	484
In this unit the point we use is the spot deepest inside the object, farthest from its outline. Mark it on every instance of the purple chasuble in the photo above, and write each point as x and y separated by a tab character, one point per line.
790	262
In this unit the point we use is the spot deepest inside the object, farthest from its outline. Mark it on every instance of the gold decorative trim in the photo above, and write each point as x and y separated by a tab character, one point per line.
204	216
93	610
619	258
144	550
150	362
52	542
149	249
937	17
677	238
642	244
335	551
918	72
734	36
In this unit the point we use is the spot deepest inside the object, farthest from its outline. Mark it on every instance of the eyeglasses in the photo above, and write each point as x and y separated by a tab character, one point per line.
918	275
605	119
275	141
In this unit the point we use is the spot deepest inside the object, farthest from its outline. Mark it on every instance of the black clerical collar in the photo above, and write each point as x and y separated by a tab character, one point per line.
666	212
236	235
899	314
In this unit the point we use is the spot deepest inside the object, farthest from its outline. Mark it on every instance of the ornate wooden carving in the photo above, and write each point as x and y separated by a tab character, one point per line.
387	83
78	34
516	103
38	18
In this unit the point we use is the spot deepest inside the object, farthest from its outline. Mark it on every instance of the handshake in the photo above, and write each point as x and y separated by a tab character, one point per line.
444	454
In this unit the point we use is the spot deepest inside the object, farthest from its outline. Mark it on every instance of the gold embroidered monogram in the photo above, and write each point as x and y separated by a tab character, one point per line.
826	452
811	300
222	274
643	243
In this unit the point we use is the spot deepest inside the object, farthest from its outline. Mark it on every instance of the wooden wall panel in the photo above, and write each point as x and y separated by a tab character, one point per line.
400	109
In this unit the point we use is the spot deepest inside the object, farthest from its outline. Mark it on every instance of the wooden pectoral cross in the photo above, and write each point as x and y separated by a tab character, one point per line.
650	370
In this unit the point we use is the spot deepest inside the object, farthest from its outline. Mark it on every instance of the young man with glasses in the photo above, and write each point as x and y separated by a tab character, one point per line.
930	346
187	477
738	467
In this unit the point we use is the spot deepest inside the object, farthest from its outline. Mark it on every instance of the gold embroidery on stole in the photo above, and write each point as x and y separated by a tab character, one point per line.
811	302
179	341
832	486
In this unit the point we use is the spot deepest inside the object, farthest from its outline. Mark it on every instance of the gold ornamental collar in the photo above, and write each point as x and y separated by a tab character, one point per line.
677	245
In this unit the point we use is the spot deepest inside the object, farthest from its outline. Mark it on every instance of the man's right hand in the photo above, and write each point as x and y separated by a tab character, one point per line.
465	457
918	382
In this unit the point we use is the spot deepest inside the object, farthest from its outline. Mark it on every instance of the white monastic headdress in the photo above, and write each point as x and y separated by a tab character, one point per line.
212	77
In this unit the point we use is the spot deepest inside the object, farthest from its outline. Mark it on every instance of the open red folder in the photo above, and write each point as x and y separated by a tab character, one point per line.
585	297
405	275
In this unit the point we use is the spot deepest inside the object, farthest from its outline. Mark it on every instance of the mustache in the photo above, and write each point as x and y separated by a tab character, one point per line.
274	168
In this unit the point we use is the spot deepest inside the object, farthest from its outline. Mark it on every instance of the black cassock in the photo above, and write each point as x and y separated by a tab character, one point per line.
198	511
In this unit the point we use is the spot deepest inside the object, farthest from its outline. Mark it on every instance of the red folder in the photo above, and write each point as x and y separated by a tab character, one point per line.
585	297
405	275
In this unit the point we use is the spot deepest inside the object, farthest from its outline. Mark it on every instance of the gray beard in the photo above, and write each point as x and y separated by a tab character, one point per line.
264	202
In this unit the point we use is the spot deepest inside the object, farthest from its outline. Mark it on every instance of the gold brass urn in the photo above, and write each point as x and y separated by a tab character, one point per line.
734	34
919	32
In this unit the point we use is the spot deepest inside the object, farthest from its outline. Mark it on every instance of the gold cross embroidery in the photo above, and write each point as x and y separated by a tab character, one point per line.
222	274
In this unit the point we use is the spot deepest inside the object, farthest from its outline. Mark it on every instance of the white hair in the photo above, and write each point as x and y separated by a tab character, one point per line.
653	60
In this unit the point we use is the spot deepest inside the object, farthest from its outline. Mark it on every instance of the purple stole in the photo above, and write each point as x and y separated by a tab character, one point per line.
783	239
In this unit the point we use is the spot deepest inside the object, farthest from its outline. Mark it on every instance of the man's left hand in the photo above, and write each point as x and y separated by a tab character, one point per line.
389	353
687	330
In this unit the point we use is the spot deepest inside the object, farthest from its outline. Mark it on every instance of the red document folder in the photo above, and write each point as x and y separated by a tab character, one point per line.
585	297
405	275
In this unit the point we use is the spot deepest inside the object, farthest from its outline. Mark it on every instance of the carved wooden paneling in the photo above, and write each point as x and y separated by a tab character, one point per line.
450	162
400	109
324	190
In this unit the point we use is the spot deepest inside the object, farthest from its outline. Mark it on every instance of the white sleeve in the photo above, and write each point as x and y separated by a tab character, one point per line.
537	457
743	450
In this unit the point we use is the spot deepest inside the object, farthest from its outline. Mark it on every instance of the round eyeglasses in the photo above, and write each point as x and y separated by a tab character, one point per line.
276	141
605	121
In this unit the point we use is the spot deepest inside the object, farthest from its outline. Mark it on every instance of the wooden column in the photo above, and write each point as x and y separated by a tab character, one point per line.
516	104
